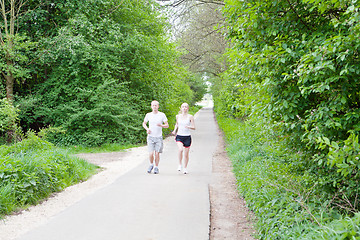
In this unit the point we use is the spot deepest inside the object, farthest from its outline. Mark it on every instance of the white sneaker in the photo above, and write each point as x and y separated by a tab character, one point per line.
179	168
185	171
150	168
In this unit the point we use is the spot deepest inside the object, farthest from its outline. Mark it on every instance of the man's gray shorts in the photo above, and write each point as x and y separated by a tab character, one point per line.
155	144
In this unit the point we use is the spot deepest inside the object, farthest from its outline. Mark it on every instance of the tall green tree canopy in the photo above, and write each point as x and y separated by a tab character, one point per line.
94	67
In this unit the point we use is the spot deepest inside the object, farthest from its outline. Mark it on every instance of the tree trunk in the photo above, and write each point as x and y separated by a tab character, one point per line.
9	87
10	96
9	15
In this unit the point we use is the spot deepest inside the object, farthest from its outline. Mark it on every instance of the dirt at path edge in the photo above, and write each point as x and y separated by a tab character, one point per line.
230	218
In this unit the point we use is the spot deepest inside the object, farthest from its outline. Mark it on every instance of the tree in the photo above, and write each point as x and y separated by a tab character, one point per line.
100	70
68	63
176	3
198	28
13	46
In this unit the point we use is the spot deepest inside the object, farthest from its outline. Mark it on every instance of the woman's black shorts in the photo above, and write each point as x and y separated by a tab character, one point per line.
186	140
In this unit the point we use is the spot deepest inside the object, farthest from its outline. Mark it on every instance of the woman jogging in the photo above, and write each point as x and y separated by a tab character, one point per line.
184	122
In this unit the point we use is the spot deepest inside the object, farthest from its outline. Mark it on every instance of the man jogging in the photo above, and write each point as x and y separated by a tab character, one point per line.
157	121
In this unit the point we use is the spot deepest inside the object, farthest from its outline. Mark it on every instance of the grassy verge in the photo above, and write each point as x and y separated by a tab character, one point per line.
104	148
33	169
287	204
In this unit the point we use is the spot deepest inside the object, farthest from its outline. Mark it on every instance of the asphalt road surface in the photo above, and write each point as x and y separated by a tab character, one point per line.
142	206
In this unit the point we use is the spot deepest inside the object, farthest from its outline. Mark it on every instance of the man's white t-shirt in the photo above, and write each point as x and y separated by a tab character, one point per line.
154	120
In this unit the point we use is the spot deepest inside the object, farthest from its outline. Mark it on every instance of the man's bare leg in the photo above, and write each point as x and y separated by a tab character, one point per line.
151	159
157	159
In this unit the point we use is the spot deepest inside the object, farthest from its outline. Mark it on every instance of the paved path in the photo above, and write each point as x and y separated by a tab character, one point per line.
142	206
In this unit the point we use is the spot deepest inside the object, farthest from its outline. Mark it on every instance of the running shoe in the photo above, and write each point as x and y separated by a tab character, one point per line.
156	170
179	168
185	171
150	168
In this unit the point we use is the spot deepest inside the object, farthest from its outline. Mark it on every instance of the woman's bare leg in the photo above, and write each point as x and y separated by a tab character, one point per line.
186	156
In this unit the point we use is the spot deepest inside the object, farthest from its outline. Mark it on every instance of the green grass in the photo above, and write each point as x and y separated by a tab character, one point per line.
30	171
104	148
33	169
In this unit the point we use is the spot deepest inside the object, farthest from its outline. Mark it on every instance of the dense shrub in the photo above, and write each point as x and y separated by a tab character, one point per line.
95	68
293	67
33	169
9	120
287	204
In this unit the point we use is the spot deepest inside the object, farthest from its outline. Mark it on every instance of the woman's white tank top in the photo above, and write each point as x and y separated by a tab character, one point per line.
182	122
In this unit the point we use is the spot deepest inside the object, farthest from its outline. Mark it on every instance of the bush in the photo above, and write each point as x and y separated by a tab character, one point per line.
8	121
33	169
345	228
98	77
288	203
297	76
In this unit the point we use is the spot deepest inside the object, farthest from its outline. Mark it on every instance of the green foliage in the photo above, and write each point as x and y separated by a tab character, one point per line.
113	147
97	70
108	116
8	115
286	204
343	157
293	67
197	86
9	119
346	228
234	99
14	55
33	169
